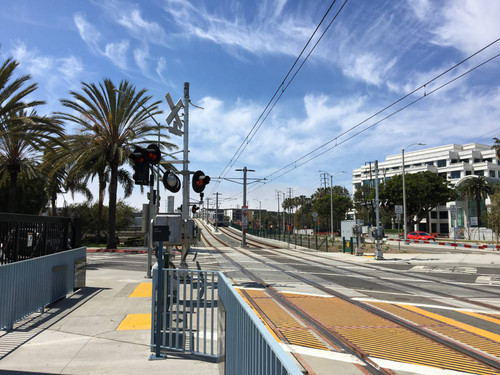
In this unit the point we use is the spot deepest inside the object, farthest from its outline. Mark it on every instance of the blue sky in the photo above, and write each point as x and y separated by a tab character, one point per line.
235	54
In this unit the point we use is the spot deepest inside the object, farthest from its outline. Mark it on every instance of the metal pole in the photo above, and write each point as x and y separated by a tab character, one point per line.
150	231
404	196
243	230
185	178
331	206
378	252
159	306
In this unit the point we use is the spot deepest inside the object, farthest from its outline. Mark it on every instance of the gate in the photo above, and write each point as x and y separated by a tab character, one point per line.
189	312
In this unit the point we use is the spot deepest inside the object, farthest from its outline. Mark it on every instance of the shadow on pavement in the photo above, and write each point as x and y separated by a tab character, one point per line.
36	323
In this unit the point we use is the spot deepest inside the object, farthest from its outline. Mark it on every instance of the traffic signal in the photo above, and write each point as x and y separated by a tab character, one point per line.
153	154
171	181
194	209
200	181
141	166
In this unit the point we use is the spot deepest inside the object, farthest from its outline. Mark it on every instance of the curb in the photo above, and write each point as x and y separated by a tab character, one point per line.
467	246
128	251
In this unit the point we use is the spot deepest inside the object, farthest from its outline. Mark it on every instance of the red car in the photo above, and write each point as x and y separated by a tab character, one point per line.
424	236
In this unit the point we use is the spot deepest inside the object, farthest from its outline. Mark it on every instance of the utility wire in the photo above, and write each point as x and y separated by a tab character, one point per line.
294	163
247	139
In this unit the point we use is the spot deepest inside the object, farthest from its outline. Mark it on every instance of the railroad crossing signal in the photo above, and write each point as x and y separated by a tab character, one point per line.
141	166
200	180
174	115
171	181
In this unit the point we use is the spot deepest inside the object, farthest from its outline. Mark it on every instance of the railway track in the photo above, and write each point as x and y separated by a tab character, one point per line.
372	332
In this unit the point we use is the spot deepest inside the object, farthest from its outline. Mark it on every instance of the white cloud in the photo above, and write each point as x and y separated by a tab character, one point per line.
117	53
468	25
137	26
141	56
88	32
71	67
271	32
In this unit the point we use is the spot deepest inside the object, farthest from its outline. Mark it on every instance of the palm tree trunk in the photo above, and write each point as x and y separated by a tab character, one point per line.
478	206
113	186
100	204
13	191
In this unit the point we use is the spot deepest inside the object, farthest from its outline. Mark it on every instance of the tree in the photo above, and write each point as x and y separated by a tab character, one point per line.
424	192
475	188
111	120
32	198
87	213
23	133
494	213
341	204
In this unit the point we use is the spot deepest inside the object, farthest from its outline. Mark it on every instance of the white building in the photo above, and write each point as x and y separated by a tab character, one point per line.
454	162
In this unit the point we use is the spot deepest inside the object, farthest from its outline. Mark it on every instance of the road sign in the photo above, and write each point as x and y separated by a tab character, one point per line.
174	115
453	208
398	209
315	215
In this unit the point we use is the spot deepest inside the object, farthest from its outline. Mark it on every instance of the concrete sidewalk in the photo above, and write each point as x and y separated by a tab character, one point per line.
83	334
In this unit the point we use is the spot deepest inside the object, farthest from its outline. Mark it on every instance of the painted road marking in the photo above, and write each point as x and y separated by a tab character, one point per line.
135	322
453	322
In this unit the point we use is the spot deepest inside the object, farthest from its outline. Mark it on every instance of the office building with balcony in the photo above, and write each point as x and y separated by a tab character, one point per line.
454	162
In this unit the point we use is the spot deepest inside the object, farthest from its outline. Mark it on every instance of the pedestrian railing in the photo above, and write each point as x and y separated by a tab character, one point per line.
203	314
30	285
28	236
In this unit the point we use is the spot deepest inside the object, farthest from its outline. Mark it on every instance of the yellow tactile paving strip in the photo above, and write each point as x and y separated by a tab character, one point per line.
287	325
380	338
485	341
143	290
137	321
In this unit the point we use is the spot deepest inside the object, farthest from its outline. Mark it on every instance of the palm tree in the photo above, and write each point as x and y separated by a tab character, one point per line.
22	140
23	133
110	120
476	188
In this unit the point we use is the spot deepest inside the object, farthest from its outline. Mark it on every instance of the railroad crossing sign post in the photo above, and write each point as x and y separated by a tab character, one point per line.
177	130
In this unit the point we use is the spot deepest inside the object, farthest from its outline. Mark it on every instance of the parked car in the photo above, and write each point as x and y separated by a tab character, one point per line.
424	236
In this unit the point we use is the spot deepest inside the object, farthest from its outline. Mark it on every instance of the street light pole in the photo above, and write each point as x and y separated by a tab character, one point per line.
331	199
404	187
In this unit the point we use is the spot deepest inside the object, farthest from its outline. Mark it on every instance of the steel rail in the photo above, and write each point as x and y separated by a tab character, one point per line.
485	359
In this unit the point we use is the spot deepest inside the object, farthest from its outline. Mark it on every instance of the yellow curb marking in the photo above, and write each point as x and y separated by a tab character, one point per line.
453	322
135	322
143	290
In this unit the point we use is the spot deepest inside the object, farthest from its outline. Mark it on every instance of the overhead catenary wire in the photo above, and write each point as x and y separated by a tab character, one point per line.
268	108
295	164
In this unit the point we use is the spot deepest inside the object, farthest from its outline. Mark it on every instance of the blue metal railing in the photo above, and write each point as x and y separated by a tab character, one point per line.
30	285
204	314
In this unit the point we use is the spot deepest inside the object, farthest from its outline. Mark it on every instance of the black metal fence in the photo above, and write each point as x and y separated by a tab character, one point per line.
27	236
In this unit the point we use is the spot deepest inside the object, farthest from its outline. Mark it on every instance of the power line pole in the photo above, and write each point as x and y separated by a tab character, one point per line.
216	210
244	208
378	252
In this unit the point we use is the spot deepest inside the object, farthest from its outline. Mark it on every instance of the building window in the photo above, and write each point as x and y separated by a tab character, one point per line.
468	173
357	186
395	168
492	174
454	161
433	214
429	163
464	160
443	214
455	174
477	160
479	173
441	163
